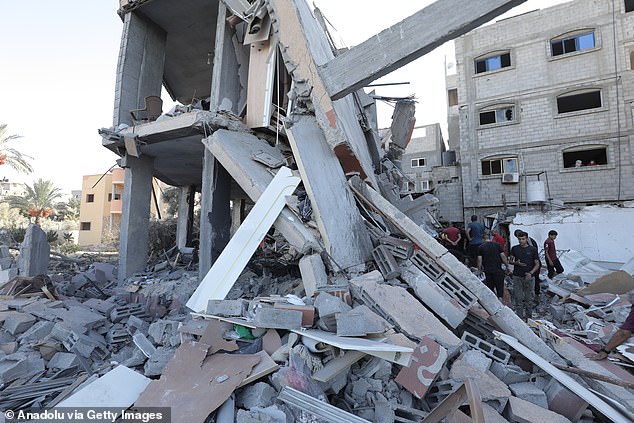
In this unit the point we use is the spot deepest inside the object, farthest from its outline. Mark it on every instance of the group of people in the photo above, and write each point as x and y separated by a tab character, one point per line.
486	250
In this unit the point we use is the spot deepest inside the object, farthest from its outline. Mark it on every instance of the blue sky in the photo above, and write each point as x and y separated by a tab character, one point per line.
58	69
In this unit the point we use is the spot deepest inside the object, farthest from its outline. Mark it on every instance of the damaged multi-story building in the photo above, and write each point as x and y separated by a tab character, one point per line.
264	68
543	103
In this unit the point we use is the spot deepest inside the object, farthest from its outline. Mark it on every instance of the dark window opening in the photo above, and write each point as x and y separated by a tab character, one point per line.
117	196
583	158
493	63
497	116
499	166
109	196
90	198
84	226
572	44
632	58
629	6
452	97
584	101
487	118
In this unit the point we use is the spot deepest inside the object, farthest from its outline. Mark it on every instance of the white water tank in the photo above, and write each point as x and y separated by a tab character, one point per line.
535	192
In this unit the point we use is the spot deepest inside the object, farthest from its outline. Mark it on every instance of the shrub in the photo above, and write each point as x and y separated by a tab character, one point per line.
52	236
17	234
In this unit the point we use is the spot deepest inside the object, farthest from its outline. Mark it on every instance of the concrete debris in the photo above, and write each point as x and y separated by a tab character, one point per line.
317	288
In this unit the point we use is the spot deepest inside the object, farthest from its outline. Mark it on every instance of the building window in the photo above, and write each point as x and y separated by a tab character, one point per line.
90	198
418	162
582	101
424	185
452	96
499	166
84	226
109	196
571	44
492	63
629	6
117	196
497	115
583	157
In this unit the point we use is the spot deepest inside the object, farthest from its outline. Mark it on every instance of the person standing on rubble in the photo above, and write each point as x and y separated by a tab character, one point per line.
490	259
538	281
525	261
475	232
550	252
452	239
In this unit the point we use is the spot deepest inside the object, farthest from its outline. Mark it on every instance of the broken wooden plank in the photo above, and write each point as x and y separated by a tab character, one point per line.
596	402
467	391
225	271
406	41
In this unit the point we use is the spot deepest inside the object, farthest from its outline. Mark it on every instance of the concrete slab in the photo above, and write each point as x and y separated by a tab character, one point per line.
120	388
521	411
400	308
313	273
530	392
16	322
34	252
234	150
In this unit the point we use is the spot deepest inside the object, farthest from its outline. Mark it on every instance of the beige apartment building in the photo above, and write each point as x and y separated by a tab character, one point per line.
101	205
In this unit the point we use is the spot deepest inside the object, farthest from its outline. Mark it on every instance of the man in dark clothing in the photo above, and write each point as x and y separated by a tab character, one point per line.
550	253
538	281
452	241
475	231
490	259
525	261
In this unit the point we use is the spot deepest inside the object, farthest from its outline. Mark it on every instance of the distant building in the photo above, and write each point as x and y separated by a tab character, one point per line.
544	104
101	205
423	153
9	189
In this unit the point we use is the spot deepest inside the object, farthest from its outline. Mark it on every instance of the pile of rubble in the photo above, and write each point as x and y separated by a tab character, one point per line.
405	342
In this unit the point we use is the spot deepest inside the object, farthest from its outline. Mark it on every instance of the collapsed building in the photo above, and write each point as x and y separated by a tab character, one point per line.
383	324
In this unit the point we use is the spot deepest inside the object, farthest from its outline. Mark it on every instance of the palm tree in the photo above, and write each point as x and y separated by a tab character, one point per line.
11	156
39	199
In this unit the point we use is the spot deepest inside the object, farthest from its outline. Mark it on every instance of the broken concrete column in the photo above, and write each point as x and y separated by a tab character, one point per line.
215	213
313	273
135	216
140	67
185	216
341	226
34	252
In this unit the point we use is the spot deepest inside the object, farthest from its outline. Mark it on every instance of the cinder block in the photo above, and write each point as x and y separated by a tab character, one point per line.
16	322
269	317
477	360
143	344
426	264
63	361
36	332
455	289
509	373
229	308
529	392
400	248
488	349
564	402
120	313
313	274
386	262
258	395
440	390
446	307
308	312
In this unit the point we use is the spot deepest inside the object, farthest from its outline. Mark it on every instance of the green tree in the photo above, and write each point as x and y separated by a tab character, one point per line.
39	199
68	210
11	156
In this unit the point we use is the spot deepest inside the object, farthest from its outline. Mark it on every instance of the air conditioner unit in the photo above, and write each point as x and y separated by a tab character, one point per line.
510	178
